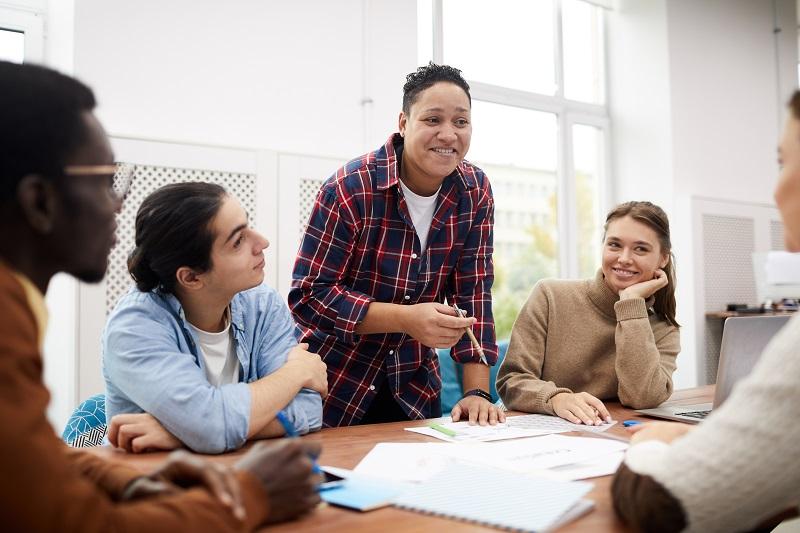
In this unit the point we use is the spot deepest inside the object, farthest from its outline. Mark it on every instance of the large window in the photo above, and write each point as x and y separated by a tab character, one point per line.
540	130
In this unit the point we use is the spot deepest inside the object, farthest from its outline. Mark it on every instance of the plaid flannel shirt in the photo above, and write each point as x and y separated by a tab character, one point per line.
360	246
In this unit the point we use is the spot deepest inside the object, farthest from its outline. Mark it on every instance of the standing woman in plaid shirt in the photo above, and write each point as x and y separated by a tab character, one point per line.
392	235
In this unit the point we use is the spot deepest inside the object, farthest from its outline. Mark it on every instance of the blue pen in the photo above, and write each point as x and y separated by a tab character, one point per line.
629	423
292	433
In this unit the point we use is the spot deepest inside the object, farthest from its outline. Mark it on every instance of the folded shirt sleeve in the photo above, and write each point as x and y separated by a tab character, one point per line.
276	339
319	298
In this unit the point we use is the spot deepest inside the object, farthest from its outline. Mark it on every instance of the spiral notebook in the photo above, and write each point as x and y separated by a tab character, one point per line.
498	498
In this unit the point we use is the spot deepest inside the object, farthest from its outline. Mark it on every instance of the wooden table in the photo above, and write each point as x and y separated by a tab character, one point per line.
345	447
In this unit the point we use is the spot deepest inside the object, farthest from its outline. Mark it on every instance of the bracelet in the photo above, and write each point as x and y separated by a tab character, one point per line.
478	392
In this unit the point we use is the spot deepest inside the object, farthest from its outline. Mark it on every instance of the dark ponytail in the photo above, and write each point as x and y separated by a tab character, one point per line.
656	219
173	229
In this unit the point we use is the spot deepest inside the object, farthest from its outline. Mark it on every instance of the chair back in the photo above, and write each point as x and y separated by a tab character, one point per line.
87	425
452	376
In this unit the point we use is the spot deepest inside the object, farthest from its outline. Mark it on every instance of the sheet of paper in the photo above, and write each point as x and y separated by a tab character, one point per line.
515	427
599	466
415	462
405	461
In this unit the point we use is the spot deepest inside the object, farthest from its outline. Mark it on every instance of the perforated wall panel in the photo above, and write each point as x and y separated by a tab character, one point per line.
308	189
728	244
776	235
146	180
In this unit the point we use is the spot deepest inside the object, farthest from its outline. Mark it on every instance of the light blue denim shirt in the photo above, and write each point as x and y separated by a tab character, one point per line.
151	363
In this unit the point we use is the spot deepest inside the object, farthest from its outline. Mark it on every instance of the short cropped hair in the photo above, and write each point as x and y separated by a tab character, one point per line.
40	122
427	76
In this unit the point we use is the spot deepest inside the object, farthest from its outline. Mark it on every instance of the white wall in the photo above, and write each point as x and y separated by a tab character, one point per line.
289	76
639	101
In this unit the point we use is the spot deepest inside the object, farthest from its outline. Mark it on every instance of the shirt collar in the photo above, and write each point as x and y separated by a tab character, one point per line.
235	310
36	302
387	166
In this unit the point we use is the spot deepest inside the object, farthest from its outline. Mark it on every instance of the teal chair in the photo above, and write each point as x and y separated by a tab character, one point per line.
87	425
452	376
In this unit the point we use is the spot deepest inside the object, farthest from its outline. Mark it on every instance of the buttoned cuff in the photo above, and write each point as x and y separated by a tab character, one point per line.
236	407
351	312
630	309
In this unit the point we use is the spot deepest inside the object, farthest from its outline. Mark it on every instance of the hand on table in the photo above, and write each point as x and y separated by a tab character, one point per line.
580	408
477	410
140	432
183	470
663	431
645	289
284	468
434	324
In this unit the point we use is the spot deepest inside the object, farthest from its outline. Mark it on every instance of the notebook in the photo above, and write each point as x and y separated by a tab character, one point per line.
497	498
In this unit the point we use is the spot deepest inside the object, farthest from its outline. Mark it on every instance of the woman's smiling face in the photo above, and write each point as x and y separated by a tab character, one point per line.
631	253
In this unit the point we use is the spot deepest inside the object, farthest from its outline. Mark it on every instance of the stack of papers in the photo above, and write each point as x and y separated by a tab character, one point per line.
514	427
552	456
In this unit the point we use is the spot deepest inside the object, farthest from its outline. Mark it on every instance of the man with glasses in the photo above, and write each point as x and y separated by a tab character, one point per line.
58	201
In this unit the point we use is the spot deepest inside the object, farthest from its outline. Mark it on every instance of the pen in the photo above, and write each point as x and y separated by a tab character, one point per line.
471	336
292	433
441	429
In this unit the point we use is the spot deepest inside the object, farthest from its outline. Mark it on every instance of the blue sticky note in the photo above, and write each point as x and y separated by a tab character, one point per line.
362	494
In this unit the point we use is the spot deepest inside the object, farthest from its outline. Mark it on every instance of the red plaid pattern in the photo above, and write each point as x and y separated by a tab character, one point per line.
360	246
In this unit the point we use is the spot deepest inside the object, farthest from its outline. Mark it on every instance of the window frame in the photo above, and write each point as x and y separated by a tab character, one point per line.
568	113
31	24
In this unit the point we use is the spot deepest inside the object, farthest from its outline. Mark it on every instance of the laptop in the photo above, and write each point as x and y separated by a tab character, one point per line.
743	341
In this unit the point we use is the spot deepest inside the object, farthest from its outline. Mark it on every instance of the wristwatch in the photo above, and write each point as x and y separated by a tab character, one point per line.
478	392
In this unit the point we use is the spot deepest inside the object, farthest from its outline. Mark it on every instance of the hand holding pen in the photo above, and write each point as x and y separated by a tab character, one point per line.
433	324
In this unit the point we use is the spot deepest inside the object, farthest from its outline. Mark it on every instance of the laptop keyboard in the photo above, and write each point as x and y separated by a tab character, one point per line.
695	414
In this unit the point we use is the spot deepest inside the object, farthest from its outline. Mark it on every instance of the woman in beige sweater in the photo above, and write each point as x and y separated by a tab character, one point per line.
578	342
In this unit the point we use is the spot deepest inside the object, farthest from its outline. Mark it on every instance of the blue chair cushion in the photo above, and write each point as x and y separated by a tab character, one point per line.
452	376
87	425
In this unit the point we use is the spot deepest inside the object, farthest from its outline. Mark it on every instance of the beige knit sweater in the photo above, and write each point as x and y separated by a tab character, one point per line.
577	336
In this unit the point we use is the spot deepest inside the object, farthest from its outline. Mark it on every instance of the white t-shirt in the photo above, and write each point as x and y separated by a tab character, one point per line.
421	209
219	354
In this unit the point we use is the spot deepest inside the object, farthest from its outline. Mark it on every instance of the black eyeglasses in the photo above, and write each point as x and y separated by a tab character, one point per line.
121	175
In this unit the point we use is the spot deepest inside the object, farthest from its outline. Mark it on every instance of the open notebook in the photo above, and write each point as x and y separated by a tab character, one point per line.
498	498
